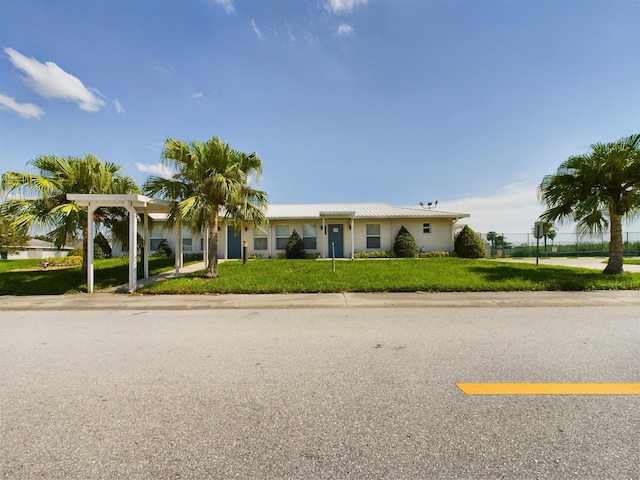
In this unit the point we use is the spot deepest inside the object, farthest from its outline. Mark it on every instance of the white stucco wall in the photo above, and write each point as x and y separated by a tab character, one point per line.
440	237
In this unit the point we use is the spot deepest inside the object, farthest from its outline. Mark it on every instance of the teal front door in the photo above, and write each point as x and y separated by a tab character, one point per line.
234	244
336	240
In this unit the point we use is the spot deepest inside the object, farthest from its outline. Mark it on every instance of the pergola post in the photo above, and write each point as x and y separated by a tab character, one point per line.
133	247
90	250
145	254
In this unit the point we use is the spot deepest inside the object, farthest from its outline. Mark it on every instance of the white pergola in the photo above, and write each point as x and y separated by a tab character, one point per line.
134	204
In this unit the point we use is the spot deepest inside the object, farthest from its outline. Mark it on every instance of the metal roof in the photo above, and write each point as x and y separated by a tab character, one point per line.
355	210
281	211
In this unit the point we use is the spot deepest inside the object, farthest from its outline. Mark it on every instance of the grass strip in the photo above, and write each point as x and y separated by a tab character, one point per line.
398	275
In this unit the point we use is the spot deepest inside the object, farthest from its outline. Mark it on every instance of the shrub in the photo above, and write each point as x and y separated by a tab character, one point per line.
468	244
192	257
295	247
405	245
435	254
374	254
101	246
164	250
69	260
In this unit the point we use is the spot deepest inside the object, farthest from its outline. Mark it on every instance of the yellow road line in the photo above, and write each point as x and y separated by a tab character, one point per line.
550	388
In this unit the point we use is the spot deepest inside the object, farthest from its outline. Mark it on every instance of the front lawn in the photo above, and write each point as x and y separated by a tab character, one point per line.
398	275
27	277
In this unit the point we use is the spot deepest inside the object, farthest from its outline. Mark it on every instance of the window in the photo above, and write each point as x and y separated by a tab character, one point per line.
373	235
187	244
260	238
426	228
309	236
153	244
282	236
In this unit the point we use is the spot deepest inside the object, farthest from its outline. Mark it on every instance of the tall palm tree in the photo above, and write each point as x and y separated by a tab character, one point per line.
43	195
597	190
212	179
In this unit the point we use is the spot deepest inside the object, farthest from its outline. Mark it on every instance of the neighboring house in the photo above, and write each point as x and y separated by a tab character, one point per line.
343	229
39	249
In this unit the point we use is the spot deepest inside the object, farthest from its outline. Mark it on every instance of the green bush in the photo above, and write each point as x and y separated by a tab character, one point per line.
405	245
101	248
468	244
164	250
70	260
192	257
374	254
295	247
435	254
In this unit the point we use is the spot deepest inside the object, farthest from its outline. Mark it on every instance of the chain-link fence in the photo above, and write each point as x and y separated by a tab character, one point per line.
557	245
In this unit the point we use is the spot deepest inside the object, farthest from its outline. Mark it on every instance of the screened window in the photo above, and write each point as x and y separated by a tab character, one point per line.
187	244
373	235
426	228
282	236
309	234
260	238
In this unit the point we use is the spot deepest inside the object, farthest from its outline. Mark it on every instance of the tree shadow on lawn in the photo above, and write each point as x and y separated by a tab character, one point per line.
44	282
532	277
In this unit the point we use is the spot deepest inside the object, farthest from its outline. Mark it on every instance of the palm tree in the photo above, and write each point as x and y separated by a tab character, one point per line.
43	195
548	233
597	190
491	236
212	179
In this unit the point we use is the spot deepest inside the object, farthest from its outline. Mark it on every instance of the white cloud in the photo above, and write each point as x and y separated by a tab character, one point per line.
26	110
344	29
50	81
156	147
512	209
197	95
226	4
343	6
256	29
165	68
156	169
118	105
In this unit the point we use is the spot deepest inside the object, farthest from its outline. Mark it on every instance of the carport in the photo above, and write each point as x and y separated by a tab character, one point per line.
134	204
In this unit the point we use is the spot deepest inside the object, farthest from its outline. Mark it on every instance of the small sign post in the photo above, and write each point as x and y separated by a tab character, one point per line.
537	232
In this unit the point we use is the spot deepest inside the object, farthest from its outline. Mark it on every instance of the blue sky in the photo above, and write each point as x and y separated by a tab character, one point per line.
469	103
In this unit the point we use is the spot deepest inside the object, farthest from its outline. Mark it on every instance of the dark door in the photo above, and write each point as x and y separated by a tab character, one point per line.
234	244
336	240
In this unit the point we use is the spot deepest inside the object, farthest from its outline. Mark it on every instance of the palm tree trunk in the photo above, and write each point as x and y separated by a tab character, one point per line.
615	245
212	260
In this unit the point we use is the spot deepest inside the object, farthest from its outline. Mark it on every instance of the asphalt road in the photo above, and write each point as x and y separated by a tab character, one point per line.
316	393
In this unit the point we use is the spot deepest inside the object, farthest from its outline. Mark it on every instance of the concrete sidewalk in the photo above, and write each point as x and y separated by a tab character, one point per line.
109	301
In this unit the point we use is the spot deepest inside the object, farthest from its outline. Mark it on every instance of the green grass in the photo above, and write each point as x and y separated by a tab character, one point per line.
311	276
631	261
107	273
399	275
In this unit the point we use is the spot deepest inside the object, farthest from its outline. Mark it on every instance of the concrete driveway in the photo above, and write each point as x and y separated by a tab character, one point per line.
595	263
